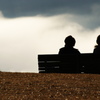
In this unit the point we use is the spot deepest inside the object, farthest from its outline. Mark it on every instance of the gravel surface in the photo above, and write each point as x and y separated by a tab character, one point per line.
36	86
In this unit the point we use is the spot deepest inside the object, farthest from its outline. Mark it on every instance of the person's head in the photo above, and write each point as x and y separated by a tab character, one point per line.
70	41
98	40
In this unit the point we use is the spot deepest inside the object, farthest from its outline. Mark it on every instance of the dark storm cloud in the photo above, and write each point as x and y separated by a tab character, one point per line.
17	8
83	10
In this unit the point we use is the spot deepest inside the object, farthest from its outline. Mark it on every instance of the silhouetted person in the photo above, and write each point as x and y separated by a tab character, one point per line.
69	63
97	47
96	67
69	46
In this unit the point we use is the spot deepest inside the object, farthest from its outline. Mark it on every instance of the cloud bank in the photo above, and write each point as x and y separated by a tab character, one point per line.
85	12
16	7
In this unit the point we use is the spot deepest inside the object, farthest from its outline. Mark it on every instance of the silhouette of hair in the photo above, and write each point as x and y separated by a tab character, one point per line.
98	40
70	41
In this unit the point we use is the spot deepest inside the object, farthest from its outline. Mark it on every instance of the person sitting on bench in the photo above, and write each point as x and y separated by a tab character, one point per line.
69	44
97	47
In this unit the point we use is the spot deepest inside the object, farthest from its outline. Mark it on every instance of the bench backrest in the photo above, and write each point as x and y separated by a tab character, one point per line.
87	63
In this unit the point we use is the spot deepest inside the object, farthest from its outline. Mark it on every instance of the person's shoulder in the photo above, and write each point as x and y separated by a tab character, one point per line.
76	50
96	50
62	48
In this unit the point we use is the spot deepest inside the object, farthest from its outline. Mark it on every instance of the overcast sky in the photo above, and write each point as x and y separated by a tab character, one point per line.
79	8
32	27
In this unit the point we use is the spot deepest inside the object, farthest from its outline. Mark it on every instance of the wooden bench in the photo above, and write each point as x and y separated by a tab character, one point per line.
83	63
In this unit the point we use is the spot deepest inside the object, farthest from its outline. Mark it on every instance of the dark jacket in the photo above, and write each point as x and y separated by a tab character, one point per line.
68	50
97	50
